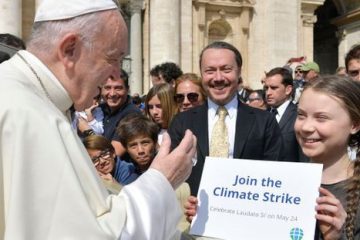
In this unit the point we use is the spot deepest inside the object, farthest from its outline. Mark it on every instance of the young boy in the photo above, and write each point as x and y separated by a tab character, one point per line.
139	136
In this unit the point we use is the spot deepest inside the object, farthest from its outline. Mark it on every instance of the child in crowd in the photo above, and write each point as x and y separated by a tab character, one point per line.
160	106
139	136
328	122
112	170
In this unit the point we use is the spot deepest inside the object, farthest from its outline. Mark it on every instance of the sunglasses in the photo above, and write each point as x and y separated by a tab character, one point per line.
353	73
192	97
298	71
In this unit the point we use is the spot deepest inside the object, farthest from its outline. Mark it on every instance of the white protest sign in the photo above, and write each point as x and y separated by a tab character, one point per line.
252	200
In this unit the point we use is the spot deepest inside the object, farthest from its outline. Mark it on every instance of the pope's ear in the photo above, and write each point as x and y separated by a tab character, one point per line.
68	49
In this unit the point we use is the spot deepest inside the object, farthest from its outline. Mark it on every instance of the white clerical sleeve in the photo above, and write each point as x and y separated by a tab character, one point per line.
52	190
157	216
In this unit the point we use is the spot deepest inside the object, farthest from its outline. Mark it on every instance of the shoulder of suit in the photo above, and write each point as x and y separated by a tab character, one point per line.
292	106
252	110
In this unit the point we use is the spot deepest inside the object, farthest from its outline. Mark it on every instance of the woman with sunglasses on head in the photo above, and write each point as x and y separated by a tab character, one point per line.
113	171
160	106
189	92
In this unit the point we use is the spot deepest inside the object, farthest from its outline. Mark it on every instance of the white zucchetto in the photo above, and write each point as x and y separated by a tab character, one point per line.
50	10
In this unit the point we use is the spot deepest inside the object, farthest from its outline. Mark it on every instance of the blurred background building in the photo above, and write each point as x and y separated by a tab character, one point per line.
267	32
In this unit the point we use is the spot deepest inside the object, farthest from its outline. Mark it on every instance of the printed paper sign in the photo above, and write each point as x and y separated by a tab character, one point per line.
252	200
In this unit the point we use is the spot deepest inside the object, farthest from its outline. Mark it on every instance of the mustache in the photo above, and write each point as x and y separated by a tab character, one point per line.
219	83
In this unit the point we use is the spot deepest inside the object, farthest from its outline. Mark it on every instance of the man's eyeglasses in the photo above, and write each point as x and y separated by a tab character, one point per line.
104	155
192	97
353	73
298	71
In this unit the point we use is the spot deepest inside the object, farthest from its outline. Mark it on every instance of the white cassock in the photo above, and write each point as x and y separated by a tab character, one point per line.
49	187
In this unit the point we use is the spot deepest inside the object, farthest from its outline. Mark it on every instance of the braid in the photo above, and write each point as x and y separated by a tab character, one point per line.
352	199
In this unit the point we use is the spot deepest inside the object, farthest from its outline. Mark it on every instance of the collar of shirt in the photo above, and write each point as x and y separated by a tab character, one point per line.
57	92
231	107
281	109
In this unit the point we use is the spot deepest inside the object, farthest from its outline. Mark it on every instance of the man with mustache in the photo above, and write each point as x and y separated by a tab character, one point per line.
249	133
49	188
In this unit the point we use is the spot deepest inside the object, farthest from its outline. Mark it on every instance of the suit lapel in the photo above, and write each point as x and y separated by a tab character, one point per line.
201	129
244	120
287	114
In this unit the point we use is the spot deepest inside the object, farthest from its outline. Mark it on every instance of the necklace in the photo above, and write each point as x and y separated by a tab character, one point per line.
36	75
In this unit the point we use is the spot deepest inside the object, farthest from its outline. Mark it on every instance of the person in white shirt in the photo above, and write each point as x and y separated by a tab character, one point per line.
278	87
89	119
49	188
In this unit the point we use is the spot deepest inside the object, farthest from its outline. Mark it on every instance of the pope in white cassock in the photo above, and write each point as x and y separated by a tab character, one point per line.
49	187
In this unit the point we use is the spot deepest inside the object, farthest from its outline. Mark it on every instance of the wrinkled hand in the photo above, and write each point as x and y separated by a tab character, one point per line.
330	214
190	208
176	166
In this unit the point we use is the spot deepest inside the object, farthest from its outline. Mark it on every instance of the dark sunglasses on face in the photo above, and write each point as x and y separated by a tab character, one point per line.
353	73
298	71
192	97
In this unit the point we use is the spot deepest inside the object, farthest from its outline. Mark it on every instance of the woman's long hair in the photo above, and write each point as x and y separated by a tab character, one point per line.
348	92
165	93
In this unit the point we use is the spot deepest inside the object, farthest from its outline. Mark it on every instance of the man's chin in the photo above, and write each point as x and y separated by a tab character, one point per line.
221	100
113	104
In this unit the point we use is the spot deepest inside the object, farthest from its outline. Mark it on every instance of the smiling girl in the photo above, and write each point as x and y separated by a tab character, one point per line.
328	122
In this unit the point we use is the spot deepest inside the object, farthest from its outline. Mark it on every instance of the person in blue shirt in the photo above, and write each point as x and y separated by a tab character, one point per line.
109	166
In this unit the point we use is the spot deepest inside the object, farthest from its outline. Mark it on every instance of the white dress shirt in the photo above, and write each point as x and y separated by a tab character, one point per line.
281	110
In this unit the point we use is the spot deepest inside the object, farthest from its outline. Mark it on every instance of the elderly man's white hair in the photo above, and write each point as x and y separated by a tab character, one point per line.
55	18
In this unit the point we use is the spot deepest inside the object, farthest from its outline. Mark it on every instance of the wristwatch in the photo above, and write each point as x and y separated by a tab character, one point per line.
88	132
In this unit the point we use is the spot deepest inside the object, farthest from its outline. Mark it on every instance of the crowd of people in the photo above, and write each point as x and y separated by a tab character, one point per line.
81	158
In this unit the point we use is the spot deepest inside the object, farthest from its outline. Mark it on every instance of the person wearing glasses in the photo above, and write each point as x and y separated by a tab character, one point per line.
298	84
310	71
298	74
352	63
112	170
189	92
256	99
160	106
